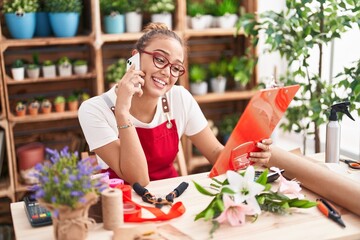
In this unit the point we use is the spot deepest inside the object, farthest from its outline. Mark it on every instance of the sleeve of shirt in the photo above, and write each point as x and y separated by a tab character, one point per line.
97	123
195	120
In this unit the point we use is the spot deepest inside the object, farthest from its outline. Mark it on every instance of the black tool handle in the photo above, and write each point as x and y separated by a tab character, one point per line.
177	191
141	191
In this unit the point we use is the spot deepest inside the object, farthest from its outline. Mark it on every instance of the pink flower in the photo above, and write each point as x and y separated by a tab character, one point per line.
291	187
234	213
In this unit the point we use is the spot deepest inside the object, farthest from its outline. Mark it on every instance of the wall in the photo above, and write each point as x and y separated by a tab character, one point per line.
344	50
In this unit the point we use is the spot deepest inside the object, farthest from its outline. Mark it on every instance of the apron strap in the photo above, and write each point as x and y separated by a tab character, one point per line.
108	102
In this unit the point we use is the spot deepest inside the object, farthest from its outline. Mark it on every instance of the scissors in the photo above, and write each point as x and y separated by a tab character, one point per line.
351	163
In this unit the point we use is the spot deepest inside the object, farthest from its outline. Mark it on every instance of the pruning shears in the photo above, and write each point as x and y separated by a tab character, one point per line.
351	163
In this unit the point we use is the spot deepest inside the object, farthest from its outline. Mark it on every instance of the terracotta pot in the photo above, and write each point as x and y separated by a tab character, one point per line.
73	106
46	110
60	107
30	154
21	113
33	111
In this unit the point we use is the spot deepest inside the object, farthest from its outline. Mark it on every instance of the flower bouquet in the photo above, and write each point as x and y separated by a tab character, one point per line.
67	190
240	197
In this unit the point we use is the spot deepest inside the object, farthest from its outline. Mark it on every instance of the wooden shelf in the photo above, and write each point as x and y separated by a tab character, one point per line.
10	81
43	117
222	97
210	32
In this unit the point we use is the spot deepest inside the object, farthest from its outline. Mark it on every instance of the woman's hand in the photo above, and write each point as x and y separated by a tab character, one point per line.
262	157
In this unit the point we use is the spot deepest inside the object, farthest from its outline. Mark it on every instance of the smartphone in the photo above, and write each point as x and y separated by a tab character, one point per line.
135	59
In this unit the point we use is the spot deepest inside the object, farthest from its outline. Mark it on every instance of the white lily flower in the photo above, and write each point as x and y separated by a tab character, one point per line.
245	187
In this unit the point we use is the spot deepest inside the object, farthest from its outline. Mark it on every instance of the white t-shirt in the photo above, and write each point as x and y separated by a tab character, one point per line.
99	124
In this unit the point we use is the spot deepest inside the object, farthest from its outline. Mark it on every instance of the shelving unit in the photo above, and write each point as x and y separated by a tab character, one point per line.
100	50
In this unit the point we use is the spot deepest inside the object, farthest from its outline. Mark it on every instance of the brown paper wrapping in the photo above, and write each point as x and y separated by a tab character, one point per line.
318	179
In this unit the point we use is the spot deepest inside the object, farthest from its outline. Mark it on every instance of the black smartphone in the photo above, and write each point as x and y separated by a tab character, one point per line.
271	177
37	215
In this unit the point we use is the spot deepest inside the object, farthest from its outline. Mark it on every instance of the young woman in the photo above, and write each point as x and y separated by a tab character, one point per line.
135	127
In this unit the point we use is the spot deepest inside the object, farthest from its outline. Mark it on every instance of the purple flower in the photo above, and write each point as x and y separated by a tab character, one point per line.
72	178
40	193
68	184
56	179
53	199
76	193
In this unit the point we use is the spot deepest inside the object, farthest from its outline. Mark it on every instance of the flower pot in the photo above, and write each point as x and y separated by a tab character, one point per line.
64	24
59	107
114	23
46	110
80	70
33	111
162	18
30	154
49	71
65	70
21	26
43	28
227	21
199	88
133	21
33	73
21	112
18	73
218	85
199	23
73	106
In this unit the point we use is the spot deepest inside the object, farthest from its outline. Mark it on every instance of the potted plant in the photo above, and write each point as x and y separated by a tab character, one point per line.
46	106
197	75
218	72
64	16
33	107
59	103
49	69
64	66
133	17
227	11
197	14
84	96
241	69
33	70
113	15
115	72
20	109
73	102
80	66
20	17
161	11
18	70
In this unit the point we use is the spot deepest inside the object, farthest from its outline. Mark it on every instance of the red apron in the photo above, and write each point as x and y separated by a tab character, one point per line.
160	145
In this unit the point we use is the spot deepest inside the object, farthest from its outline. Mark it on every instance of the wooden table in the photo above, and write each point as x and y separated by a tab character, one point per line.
302	224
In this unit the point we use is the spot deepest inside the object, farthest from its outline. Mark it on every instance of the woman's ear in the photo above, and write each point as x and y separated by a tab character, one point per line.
134	51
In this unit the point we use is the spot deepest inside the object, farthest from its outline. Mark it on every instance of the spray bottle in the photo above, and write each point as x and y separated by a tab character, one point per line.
332	152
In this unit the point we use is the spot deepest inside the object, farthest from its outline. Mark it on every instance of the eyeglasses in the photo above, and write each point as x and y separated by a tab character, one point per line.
162	62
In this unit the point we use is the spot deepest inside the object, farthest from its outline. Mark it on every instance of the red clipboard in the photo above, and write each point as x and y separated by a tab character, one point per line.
258	121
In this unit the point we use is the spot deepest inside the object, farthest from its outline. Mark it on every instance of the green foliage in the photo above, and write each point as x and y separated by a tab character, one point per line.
48	63
160	6
116	71
20	6
64	61
55	6
72	98
136	6
59	99
242	68
295	32
220	68
32	66
197	73
195	9
18	63
227	7
109	7
80	62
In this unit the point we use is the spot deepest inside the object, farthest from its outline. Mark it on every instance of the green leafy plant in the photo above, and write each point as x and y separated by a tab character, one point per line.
240	197
65	180
195	9
116	71
59	99
227	7
80	62
109	7
294	33
197	73
63	6
48	63
72	98
20	106
160	6
241	68
20	6
228	124
18	63
136	6
219	69
64	61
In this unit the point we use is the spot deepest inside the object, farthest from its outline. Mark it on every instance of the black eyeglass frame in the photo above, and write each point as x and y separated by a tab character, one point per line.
154	54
